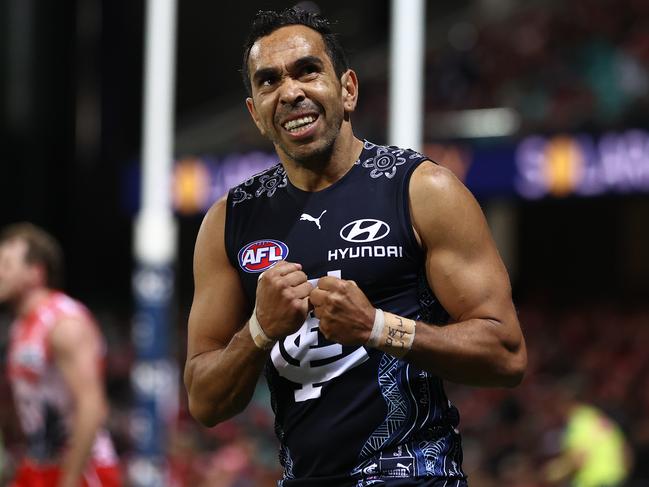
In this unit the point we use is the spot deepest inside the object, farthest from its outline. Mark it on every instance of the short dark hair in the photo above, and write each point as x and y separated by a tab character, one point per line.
268	21
42	249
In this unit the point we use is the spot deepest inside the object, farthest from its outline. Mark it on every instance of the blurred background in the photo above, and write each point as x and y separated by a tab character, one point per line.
541	107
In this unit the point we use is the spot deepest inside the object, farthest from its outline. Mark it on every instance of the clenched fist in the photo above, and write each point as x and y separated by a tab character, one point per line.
282	299
346	315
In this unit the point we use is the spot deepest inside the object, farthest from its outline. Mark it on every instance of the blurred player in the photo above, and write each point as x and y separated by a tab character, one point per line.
55	369
594	451
351	329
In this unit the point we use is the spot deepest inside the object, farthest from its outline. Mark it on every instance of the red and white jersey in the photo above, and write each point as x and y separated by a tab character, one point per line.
43	400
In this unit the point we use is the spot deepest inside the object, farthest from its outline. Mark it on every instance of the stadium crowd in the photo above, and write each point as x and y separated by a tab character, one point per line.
579	65
508	435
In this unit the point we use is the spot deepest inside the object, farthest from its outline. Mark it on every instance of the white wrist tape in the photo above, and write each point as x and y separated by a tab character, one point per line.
392	334
256	331
377	329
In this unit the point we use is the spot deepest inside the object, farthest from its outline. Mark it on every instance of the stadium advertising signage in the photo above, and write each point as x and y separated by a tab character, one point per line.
537	167
582	165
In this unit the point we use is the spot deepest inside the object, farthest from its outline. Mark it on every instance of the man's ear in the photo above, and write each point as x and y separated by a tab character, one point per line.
250	104
37	274
349	83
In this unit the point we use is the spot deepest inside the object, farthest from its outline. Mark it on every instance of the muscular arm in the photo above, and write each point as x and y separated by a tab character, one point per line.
484	344
76	347
223	363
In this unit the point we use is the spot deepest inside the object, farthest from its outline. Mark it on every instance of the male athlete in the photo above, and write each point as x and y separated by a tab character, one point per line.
55	369
336	272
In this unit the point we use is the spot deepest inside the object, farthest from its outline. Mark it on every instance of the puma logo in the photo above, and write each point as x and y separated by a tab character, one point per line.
307	217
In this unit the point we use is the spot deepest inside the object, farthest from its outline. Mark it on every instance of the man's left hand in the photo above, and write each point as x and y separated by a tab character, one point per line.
346	315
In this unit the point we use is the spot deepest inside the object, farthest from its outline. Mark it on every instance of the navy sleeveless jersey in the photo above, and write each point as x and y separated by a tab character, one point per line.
347	415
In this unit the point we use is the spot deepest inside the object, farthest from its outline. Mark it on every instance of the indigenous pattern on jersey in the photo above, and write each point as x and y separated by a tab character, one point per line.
348	415
42	398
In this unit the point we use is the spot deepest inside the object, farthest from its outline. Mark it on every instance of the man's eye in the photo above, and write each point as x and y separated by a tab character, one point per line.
267	80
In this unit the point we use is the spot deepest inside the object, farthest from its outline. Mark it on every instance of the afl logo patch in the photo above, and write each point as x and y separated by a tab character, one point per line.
260	255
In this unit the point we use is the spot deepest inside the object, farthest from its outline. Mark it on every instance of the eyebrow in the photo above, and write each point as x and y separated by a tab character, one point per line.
306	61
263	73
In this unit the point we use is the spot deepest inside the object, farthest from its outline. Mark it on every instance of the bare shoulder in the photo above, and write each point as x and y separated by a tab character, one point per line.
216	213
433	174
214	220
210	239
439	203
431	183
72	333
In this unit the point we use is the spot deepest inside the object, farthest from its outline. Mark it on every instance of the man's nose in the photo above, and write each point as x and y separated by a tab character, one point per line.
291	92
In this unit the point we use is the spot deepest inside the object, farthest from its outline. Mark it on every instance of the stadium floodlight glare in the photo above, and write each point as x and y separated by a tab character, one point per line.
406	100
471	124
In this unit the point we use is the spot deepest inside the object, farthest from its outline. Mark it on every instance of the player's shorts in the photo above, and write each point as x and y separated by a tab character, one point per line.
383	482
32	475
426	483
420	482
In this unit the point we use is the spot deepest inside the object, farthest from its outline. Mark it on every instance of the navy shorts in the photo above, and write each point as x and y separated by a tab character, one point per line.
411	482
422	482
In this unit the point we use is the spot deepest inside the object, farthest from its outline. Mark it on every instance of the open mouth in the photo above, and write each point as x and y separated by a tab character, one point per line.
300	125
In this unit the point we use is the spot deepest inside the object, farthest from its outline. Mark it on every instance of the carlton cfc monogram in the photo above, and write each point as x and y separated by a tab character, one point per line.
303	359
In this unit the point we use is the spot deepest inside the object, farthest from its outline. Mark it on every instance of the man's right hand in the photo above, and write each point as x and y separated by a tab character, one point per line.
282	299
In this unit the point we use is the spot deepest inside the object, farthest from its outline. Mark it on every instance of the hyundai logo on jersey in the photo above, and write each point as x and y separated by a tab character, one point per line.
260	255
366	230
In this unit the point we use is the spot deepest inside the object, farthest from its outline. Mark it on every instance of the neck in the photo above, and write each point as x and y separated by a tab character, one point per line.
30	300
320	174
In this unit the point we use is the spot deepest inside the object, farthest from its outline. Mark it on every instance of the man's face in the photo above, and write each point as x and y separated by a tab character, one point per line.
297	99
16	275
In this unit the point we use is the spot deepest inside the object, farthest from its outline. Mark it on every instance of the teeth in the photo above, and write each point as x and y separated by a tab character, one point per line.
293	125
